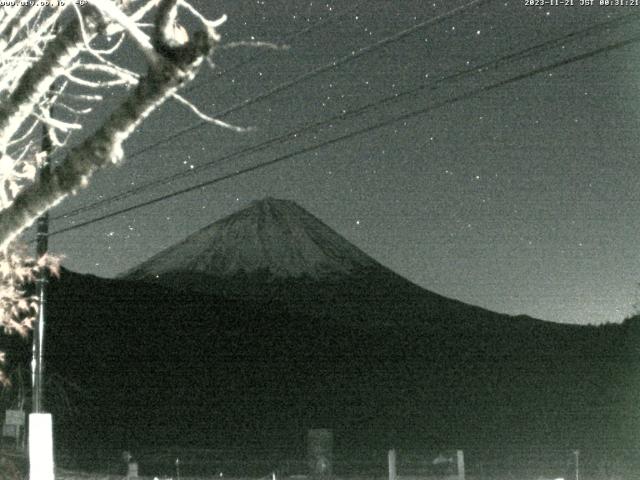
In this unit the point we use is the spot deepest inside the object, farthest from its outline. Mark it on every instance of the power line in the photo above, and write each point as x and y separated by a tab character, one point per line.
519	55
313	73
381	124
533	50
281	87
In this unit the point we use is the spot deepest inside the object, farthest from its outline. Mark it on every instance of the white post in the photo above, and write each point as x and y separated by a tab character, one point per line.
460	455
40	447
393	472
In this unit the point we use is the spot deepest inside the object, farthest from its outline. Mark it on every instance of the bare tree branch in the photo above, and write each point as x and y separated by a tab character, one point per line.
178	64
37	80
129	25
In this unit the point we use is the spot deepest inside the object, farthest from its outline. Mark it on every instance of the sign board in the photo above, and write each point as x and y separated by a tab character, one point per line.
14	417
10	431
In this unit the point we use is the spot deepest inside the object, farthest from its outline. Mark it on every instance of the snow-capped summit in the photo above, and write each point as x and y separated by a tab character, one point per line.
272	238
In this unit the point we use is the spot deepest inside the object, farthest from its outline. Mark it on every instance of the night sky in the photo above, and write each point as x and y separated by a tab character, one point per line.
519	198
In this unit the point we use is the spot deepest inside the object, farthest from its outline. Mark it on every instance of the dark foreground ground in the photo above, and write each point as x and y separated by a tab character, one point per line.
161	465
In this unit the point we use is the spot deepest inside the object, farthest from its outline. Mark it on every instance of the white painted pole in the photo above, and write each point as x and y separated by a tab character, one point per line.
40	447
393	472
460	455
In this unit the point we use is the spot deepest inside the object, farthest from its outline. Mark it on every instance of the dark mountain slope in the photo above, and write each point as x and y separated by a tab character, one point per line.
156	365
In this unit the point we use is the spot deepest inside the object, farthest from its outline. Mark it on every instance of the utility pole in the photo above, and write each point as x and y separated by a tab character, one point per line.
41	465
42	245
577	455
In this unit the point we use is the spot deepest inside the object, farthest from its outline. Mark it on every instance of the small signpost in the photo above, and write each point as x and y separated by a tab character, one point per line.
132	465
132	470
320	452
13	426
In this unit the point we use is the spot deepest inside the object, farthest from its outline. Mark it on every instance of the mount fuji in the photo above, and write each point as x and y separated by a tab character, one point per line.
275	249
271	239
